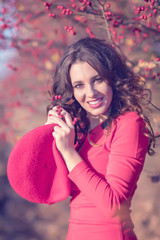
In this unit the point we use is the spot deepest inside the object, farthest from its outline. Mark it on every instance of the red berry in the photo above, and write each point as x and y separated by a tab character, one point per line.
70	28
4	11
89	3
145	17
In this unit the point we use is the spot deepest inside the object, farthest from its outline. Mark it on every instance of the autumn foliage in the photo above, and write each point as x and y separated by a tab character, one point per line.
33	36
37	32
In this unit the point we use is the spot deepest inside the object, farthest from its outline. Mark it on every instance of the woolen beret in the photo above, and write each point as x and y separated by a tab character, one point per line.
36	170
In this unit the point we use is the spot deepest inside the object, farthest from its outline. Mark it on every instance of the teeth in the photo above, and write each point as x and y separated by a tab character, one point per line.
95	102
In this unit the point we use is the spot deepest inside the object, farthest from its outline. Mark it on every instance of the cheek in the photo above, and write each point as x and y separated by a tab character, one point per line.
109	94
78	95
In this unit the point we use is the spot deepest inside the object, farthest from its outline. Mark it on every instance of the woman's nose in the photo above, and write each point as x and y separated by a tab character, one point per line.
90	91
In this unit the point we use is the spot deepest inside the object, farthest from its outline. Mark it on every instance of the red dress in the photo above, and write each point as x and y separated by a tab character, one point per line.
101	186
104	183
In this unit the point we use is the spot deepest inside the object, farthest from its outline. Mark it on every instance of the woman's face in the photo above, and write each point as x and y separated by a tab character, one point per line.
92	93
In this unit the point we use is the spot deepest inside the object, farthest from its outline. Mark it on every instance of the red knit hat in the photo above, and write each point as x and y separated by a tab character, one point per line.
36	170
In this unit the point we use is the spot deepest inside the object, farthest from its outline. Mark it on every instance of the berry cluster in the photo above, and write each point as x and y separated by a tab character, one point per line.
59	109
47	5
56	97
90	32
51	15
60	114
65	11
40	30
70	29
81	6
84	5
147	11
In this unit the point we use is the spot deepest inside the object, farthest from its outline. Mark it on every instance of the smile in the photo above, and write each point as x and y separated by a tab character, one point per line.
95	103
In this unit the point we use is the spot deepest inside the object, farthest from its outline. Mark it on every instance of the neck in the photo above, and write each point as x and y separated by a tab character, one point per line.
94	121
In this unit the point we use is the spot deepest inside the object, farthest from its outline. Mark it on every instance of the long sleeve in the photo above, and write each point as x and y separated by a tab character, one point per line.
128	146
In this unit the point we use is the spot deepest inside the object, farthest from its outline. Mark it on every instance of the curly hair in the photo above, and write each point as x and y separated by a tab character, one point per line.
128	88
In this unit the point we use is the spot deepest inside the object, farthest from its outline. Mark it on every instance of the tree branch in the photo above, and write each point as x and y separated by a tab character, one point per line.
110	35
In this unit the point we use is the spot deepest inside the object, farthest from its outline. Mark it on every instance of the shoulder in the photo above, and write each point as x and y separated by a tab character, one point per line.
128	116
129	119
129	135
129	125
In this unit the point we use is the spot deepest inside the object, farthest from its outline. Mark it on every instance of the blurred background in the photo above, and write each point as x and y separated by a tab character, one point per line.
33	36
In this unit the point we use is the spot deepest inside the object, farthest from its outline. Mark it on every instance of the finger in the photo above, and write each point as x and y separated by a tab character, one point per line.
58	132
52	112
68	118
63	114
54	134
55	110
46	123
60	122
57	128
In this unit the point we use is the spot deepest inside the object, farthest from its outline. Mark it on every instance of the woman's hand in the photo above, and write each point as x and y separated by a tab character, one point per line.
64	133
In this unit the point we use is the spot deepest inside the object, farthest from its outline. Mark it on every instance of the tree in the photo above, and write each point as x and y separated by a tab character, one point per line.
35	34
40	31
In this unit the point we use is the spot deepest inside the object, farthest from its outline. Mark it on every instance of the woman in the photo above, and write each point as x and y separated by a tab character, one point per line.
103	136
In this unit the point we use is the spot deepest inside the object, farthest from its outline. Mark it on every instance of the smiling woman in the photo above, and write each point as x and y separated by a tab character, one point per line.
112	136
92	92
101	135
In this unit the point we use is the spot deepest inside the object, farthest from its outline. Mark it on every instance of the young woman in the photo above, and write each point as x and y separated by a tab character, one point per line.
102	134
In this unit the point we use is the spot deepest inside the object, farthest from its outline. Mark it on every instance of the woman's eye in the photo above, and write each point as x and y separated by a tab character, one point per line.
98	80
78	86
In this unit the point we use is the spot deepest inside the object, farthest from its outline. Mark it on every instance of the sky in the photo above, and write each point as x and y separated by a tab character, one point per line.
6	56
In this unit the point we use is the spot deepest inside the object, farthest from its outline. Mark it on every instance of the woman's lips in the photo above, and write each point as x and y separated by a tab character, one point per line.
95	103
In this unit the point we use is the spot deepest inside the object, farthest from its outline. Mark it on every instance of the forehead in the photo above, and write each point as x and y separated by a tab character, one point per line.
82	71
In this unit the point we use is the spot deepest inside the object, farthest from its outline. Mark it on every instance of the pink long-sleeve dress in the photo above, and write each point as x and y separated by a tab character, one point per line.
104	183
101	186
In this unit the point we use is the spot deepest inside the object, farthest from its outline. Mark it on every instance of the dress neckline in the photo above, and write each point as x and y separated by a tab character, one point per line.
97	126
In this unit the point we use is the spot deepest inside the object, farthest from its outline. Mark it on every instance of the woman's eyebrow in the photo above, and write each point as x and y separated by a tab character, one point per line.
77	82
94	77
80	81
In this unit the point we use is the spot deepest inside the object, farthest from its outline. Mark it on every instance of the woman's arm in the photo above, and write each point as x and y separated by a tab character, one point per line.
126	159
128	149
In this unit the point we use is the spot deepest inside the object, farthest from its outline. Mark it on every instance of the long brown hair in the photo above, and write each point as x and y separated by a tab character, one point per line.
129	93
